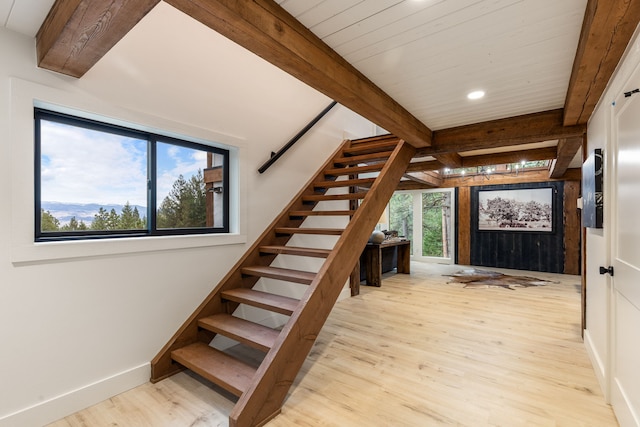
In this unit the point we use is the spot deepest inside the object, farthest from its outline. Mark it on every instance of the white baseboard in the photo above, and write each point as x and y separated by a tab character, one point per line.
73	401
623	407
599	366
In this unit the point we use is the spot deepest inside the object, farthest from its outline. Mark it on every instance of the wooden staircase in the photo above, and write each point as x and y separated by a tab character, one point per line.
261	390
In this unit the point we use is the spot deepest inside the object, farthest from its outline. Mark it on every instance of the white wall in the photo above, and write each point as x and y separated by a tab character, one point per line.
79	322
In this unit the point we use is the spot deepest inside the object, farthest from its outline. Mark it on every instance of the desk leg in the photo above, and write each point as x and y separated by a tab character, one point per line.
374	266
354	280
404	259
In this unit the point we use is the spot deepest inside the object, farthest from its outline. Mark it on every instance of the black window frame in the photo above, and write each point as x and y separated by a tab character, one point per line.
152	208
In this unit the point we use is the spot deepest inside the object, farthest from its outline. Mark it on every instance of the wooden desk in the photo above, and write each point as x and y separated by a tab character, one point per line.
375	256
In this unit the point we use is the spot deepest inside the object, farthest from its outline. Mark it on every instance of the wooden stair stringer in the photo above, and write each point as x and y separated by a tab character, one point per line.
266	393
189	333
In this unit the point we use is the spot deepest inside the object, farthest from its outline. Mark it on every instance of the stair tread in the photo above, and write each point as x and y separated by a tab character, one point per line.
286	274
323	213
345	183
264	300
295	250
373	139
376	167
324	197
300	230
363	158
216	366
244	331
372	147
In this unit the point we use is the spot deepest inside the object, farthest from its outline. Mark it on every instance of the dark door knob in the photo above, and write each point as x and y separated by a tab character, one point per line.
605	270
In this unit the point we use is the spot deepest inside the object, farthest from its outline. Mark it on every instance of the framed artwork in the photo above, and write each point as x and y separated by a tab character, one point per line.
522	209
592	194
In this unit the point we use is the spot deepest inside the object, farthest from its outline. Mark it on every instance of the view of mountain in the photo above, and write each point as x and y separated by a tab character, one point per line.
83	211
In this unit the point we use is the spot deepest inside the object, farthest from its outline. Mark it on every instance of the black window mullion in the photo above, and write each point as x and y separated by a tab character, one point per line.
152	187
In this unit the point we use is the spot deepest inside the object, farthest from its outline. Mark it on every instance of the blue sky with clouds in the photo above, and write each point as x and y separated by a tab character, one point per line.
87	166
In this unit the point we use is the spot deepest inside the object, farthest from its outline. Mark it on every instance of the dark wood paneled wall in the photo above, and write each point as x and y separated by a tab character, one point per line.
557	252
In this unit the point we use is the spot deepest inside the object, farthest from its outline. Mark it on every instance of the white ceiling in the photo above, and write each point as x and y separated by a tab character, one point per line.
428	54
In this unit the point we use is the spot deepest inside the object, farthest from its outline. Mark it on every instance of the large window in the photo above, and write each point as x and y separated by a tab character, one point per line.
425	217
99	180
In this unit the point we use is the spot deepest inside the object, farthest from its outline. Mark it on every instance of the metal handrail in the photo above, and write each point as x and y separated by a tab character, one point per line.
276	156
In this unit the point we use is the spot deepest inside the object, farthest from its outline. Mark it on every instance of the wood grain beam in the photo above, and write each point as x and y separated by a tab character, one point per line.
607	28
429	165
76	33
499	179
266	29
518	130
567	149
450	160
546	153
431	179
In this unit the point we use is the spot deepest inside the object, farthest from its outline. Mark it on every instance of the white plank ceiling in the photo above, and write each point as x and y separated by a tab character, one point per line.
428	54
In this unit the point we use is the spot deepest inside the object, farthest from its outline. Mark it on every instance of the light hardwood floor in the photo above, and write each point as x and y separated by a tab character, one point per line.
416	352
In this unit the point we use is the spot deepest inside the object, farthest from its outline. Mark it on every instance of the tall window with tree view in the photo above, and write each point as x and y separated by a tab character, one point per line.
95	179
425	217
401	215
436	224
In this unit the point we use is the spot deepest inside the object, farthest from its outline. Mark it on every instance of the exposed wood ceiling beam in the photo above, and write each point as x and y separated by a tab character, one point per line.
429	165
546	153
567	149
76	34
496	179
450	160
525	129
428	179
606	31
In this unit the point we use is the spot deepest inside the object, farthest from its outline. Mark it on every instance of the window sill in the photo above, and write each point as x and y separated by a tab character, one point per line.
43	252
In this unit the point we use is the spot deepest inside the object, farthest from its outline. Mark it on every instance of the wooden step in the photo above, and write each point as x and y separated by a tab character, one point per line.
286	274
321	213
324	197
293	250
365	182
372	147
300	230
377	167
216	366
374	139
264	300
249	333
364	158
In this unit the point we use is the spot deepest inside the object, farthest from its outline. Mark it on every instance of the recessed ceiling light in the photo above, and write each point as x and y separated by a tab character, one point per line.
477	94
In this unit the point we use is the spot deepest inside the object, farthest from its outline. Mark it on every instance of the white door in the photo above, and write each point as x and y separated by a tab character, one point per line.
625	250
